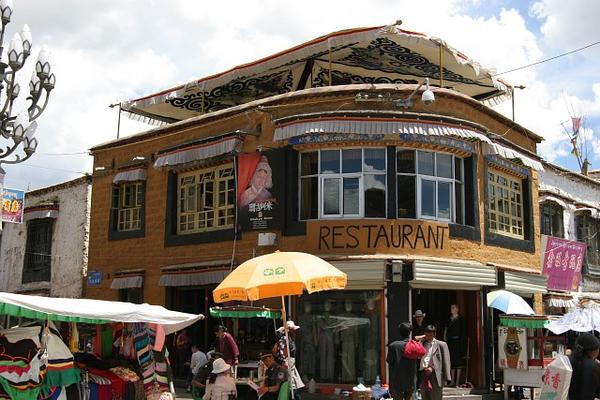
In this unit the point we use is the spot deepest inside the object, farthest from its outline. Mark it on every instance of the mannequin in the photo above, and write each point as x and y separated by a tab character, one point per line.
371	346
325	343
308	341
349	339
456	338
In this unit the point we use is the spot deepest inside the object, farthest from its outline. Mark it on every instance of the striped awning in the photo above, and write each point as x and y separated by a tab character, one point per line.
374	126
199	152
524	283
130	175
40	212
127	282
193	278
510	154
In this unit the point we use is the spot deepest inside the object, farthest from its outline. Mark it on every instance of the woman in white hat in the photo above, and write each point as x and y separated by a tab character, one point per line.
221	385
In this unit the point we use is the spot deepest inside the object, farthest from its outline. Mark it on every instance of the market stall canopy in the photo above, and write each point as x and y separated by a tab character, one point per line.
244	312
578	320
92	311
383	54
520	321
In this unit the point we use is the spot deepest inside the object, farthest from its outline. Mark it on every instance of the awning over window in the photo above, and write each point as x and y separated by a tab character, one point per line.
452	275
40	212
373	126
199	152
560	301
558	201
524	283
510	154
363	275
193	278
127	282
130	175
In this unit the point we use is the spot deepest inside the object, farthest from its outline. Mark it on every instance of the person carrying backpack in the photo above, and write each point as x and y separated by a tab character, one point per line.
403	370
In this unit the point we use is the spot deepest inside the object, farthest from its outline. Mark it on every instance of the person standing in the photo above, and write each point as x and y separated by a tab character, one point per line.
199	360
456	338
402	370
419	325
226	345
584	380
183	346
435	366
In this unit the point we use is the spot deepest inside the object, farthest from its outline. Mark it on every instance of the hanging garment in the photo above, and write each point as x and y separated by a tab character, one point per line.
308	355
326	351
349	339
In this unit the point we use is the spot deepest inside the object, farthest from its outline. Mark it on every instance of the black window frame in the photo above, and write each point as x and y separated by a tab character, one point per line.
113	229
37	262
588	238
551	219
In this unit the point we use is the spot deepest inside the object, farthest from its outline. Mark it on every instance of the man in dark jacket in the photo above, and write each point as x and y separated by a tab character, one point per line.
402	370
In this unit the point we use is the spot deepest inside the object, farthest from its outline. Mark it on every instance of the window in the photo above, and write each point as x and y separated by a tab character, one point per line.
206	199
505	204
551	215
132	295
430	185
346	183
128	199
588	231
38	251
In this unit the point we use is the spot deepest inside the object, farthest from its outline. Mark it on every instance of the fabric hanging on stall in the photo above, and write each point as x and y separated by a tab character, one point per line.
61	369
7	391
74	338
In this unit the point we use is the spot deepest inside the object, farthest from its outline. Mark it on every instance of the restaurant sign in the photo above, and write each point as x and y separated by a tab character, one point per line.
382	235
562	260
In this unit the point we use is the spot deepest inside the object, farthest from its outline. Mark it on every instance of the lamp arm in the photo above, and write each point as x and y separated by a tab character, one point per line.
410	96
7	108
17	159
34	110
9	150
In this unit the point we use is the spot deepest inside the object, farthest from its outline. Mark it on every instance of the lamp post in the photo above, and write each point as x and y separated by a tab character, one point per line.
18	127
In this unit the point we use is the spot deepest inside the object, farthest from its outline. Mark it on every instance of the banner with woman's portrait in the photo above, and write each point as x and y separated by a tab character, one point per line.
260	183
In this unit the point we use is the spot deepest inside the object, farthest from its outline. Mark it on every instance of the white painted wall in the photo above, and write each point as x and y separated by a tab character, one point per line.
576	190
70	239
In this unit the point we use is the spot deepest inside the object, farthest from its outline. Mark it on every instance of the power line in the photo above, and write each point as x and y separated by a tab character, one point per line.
54	169
62	154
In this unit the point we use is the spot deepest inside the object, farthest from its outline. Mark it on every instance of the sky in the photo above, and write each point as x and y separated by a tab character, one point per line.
107	51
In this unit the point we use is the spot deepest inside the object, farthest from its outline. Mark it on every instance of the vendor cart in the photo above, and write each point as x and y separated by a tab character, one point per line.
525	348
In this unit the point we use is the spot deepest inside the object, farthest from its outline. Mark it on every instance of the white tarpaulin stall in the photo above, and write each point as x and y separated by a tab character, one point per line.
93	311
578	320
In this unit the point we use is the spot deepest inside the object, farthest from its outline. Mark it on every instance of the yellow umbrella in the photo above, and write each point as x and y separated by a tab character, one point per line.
279	274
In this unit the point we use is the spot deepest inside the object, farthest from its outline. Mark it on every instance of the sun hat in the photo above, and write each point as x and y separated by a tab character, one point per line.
291	327
419	313
219	365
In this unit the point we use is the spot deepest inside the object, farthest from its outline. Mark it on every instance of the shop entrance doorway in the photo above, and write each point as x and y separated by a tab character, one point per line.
435	303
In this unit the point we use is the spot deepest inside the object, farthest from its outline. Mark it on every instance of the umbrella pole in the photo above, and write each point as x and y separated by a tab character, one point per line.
287	345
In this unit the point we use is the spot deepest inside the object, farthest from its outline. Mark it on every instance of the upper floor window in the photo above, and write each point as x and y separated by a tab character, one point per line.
38	250
505	204
128	199
343	183
551	215
206	199
588	231
430	185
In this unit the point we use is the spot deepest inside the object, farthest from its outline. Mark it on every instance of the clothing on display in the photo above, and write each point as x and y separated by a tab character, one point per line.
308	339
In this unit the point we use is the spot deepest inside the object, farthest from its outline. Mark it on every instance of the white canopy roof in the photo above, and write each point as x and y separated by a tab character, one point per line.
93	311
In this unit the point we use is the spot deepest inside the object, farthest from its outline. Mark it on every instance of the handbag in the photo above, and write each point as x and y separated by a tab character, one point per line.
414	350
426	383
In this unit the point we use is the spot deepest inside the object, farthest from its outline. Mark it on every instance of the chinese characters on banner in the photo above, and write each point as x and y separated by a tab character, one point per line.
512	352
13	202
562	260
259	189
556	379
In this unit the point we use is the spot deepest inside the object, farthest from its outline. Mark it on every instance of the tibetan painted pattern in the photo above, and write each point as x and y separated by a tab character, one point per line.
344	78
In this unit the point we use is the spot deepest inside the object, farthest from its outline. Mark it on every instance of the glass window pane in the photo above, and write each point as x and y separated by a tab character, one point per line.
351	160
309	163
428	198
458	163
406	197
426	163
374	160
458	202
444	199
351	196
405	160
331	196
309	198
330	161
375	196
444	165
